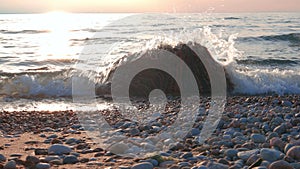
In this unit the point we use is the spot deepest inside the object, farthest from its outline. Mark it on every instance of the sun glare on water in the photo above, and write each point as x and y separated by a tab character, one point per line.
56	44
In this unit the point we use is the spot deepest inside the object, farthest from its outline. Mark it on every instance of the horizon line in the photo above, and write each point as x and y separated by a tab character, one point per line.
67	12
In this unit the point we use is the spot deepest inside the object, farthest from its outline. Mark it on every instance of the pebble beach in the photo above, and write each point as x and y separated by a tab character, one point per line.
255	132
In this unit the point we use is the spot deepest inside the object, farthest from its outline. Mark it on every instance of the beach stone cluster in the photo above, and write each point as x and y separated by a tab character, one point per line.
257	132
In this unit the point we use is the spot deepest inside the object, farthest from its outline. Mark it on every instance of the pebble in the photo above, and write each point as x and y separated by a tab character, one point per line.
258	138
184	164
40	151
58	149
10	165
186	155
2	158
217	165
42	166
50	158
269	154
52	136
195	131
280	165
244	155
70	159
277	142
280	129
294	153
287	147
166	164
72	141
143	165
32	159
119	148
231	153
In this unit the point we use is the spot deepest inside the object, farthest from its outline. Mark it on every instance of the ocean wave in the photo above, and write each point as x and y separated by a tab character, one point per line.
268	62
231	18
24	31
292	37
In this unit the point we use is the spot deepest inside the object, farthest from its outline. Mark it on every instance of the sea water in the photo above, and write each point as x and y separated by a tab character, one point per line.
260	51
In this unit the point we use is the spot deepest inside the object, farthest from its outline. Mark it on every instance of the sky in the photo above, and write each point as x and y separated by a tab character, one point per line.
41	6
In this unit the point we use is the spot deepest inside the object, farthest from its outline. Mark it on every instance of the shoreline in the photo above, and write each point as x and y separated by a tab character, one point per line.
250	128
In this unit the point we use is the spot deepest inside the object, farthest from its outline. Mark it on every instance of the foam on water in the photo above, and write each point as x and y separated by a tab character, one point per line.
279	74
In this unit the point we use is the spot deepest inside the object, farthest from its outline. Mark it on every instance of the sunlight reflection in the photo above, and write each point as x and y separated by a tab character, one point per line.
56	44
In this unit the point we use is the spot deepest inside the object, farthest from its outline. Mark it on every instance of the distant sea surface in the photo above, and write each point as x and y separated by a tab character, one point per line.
261	51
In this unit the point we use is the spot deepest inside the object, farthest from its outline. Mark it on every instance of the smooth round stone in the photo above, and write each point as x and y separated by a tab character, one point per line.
280	129
252	159
153	161
244	155
186	155
70	159
32	159
258	138
280	165
227	137
231	153
272	134
56	162
119	148
143	165
294	152
287	147
165	154
42	135
287	103
59	149
52	136
72	141
10	165
42	166
166	164
134	131
183	164
277	142
50	158
168	141
2	158
217	165
269	154
195	131
295	165
148	146
265	163
202	167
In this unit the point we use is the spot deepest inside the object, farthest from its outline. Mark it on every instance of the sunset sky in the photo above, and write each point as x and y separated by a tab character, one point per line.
40	6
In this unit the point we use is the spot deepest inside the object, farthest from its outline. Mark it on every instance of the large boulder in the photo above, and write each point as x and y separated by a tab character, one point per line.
147	80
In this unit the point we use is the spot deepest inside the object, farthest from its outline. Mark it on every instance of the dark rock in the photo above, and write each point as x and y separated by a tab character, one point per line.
186	155
294	153
258	138
10	165
280	129
2	158
32	160
269	154
40	151
42	166
59	149
280	165
143	165
147	80
70	159
231	153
